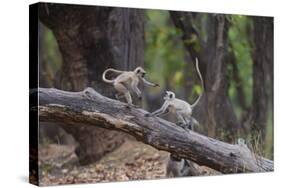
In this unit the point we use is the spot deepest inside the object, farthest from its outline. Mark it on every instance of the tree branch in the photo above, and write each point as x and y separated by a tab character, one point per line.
89	108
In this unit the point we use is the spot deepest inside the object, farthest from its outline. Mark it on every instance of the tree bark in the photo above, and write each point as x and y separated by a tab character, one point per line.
89	108
262	76
219	109
92	39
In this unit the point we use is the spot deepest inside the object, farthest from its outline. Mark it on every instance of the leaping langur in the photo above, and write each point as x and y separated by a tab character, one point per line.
127	80
181	108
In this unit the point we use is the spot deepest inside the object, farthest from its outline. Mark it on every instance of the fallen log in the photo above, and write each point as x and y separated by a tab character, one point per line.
89	108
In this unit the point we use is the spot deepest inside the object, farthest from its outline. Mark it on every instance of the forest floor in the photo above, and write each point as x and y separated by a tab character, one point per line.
131	161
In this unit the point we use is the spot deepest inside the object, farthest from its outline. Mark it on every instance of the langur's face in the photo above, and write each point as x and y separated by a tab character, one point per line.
140	72
169	95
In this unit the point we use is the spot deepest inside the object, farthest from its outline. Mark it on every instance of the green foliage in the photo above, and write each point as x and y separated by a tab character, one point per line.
164	50
50	56
240	45
198	89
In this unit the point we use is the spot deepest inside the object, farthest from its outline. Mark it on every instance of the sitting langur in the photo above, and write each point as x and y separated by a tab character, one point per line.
127	80
177	167
180	108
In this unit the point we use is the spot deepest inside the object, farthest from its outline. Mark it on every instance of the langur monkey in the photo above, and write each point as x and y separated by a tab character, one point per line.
177	167
180	108
127	80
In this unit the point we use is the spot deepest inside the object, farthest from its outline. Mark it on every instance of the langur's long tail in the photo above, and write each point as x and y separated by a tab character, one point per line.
107	70
202	85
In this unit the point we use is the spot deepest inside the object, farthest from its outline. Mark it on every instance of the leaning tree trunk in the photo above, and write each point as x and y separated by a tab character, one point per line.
262	76
90	40
215	108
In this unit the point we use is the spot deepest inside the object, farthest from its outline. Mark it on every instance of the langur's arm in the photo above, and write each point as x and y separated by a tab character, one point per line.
166	112
162	110
149	83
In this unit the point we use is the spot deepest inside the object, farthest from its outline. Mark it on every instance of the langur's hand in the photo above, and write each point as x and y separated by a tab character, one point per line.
156	85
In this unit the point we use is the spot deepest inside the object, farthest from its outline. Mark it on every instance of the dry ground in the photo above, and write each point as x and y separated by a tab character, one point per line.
132	161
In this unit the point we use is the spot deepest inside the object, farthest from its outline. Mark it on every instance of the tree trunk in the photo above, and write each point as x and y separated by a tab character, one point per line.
89	108
215	108
50	131
262	76
92	39
221	117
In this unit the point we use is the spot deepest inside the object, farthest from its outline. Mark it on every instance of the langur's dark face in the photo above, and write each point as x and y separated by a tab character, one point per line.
140	72
169	95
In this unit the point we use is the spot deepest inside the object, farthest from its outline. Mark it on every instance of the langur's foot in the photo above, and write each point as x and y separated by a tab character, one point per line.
183	125
129	106
180	123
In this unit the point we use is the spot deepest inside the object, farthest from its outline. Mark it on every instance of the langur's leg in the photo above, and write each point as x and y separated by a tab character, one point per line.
189	123
193	123
180	118
183	122
119	96
135	88
120	87
128	97
123	90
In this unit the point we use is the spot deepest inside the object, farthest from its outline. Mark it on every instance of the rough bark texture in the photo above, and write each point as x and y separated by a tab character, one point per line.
221	116
215	107
90	40
262	75
89	108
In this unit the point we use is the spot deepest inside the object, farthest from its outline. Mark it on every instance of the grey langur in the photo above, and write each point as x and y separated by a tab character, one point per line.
177	167
127	80
181	108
